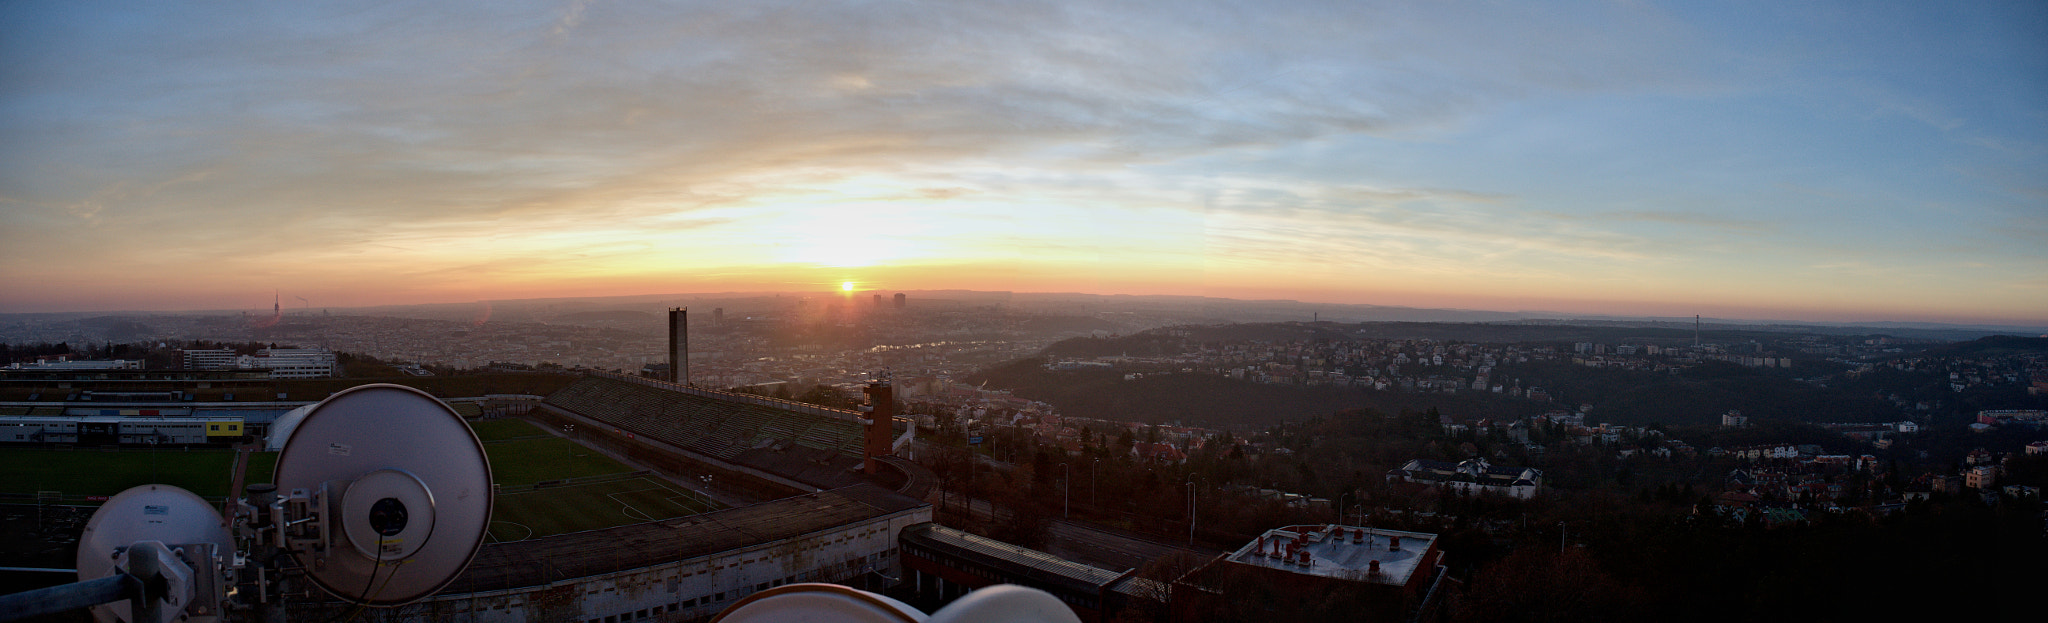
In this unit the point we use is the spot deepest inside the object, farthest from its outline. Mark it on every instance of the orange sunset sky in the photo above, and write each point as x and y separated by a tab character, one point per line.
1822	161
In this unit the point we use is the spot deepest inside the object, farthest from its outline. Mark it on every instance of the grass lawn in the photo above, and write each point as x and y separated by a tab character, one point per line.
502	429
523	462
575	508
516	463
262	467
95	472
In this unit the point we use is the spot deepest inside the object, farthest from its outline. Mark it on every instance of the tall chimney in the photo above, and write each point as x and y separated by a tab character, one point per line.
679	345
880	412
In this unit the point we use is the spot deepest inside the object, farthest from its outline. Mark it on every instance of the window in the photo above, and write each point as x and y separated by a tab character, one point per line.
642	614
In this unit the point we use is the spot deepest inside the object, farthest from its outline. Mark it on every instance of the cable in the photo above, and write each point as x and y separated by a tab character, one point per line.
363	601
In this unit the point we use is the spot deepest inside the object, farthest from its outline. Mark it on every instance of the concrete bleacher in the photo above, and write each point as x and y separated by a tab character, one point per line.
705	425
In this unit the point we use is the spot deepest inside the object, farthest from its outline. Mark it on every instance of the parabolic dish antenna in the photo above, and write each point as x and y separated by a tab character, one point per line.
408	482
161	513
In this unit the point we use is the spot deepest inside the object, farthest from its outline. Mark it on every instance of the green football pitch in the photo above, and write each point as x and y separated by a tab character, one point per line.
93	472
535	513
521	455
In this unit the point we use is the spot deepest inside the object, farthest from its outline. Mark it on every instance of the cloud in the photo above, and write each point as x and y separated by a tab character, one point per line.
1664	217
510	137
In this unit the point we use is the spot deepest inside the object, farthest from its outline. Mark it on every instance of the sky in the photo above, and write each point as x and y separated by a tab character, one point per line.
1822	161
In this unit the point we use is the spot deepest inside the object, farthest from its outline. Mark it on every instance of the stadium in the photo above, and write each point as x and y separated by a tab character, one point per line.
618	498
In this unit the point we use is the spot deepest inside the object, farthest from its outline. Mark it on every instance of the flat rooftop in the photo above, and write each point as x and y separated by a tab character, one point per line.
1015	560
1342	552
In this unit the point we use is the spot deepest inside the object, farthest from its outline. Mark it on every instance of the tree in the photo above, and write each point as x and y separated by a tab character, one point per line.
1538	584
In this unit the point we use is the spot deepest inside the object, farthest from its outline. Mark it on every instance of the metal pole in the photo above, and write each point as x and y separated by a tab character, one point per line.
1191	513
143	563
1341	506
68	597
1067	493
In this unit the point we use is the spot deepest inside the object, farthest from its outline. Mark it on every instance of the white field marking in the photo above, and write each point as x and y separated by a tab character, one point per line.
529	531
528	488
684	502
628	510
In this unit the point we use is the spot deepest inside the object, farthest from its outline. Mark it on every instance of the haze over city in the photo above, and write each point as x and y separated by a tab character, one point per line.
1823	161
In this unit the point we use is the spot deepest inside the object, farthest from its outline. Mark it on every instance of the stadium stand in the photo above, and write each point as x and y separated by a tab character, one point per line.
705	425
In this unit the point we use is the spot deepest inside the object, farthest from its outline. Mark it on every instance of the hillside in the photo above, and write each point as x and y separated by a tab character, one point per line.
1210	400
1992	346
1700	395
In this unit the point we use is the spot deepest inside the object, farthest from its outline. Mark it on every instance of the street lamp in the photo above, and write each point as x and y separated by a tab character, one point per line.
1067	491
569	430
1191	513
1341	506
1092	498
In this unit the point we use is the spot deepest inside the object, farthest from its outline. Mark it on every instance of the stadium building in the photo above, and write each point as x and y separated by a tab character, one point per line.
825	521
840	507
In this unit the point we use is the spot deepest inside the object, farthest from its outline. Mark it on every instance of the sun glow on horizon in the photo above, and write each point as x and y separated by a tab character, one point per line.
846	286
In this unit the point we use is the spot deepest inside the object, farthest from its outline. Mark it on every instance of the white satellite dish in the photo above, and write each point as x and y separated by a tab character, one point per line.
832	603
821	603
183	524
404	487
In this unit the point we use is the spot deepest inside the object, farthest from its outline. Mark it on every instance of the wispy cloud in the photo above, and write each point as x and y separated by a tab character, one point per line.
538	138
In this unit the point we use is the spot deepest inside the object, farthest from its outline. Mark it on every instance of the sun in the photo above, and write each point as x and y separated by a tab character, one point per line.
846	286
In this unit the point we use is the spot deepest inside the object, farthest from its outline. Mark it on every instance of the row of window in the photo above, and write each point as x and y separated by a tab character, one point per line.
674	584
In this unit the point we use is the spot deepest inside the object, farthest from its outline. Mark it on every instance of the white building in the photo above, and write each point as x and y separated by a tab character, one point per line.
296	363
1472	476
211	359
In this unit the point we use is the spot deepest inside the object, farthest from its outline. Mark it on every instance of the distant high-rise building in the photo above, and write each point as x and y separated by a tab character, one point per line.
717	316
679	344
878	301
901	301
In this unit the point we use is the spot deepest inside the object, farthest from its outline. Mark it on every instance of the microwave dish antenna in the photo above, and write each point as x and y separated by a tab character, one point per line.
384	495
185	542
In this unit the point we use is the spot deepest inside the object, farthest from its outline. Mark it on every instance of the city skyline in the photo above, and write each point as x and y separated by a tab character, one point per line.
1829	162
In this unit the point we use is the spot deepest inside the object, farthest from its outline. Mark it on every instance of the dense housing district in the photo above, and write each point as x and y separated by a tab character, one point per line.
1505	454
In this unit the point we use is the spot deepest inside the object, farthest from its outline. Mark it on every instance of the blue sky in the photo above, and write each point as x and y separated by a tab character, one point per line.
1816	161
